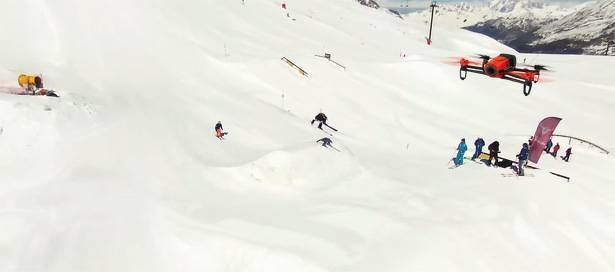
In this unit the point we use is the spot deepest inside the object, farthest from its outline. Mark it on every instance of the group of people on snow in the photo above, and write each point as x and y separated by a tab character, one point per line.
556	148
479	143
494	150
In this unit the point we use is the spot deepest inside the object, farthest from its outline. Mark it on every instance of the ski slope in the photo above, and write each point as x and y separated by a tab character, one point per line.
123	172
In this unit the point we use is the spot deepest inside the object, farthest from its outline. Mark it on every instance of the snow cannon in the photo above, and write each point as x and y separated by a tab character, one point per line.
28	82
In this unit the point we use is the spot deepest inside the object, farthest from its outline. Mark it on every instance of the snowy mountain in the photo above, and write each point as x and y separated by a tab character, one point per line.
531	26
588	29
369	3
516	7
584	30
123	172
508	12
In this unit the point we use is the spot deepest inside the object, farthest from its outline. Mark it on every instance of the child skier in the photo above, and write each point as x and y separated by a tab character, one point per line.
568	152
461	150
219	131
555	149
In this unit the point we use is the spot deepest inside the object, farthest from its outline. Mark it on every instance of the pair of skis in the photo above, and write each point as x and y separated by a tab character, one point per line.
511	175
328	133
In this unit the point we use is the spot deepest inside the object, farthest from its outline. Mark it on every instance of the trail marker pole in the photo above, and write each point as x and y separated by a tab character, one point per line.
433	7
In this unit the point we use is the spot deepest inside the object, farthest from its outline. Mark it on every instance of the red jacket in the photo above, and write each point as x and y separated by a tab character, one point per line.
556	148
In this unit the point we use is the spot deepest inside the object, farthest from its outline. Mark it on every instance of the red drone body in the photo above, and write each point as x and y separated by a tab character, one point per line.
502	66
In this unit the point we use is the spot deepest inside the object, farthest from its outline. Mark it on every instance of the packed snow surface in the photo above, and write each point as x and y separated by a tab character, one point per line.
123	172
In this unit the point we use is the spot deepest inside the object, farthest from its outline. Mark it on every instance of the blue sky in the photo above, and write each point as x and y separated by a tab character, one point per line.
423	3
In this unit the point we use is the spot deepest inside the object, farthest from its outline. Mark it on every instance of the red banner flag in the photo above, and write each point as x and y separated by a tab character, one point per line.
544	131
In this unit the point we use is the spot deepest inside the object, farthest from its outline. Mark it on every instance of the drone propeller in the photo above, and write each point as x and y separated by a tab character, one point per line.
483	57
457	60
538	67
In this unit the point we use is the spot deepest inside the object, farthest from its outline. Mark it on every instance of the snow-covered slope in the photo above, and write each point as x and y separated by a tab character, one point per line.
122	173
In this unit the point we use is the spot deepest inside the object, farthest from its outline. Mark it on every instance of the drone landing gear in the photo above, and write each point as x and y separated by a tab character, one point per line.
527	87
463	73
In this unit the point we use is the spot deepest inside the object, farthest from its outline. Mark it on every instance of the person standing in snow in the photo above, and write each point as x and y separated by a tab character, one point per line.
530	142
479	143
461	150
568	152
523	158
494	149
321	118
548	146
219	130
555	149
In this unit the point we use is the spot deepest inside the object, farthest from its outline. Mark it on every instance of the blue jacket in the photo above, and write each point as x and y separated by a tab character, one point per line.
523	153
462	147
479	143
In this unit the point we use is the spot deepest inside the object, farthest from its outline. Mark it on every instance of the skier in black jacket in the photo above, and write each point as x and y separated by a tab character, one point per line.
321	118
494	149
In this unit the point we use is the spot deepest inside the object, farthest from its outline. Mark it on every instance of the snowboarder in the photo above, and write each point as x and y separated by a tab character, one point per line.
321	118
219	131
522	158
494	149
479	143
548	146
568	152
555	149
461	150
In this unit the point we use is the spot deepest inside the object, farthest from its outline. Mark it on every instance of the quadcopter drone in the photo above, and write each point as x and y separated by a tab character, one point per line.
503	66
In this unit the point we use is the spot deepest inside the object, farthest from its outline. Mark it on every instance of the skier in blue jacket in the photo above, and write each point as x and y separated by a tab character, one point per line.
548	146
479	143
523	158
461	150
